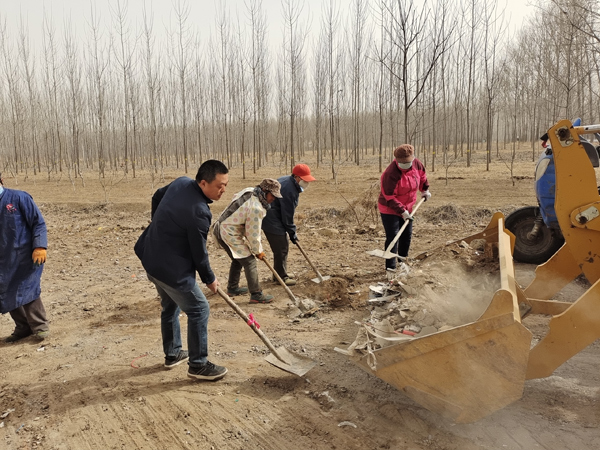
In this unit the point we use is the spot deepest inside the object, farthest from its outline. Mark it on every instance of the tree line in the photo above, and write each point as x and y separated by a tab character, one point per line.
447	76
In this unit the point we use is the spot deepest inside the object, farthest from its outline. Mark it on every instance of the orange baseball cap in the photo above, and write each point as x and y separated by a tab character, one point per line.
303	171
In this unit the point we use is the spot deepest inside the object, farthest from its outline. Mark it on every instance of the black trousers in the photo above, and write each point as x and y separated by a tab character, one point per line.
391	225
30	318
280	247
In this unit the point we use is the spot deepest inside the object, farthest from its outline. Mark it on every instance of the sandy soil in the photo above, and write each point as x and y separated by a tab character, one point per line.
98	381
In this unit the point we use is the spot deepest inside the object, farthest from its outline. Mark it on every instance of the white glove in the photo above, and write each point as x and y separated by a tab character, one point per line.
426	195
406	215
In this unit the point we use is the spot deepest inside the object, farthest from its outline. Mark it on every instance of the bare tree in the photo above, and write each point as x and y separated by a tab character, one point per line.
358	38
52	79
74	96
494	28
417	43
224	42
293	63
241	91
152	86
123	55
258	68
11	78
181	60
319	94
97	68
28	70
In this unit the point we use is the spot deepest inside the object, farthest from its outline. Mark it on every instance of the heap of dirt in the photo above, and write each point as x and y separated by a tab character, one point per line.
333	292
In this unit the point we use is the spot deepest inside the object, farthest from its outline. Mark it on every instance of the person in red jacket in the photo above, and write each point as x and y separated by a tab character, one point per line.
399	185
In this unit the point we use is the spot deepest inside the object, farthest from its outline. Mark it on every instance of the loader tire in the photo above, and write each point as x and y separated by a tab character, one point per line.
532	251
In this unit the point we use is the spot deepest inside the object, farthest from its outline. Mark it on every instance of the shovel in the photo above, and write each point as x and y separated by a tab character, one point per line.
320	278
281	357
387	254
281	282
276	275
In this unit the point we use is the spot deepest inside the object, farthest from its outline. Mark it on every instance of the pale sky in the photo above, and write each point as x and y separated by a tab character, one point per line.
202	14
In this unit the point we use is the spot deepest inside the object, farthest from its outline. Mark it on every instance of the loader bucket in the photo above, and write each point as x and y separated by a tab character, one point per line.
467	372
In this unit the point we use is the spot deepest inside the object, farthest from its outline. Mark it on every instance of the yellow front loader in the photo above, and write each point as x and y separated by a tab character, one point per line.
468	372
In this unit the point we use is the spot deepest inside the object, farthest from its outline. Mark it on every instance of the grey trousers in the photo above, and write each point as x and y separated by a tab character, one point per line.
30	318
280	247
235	270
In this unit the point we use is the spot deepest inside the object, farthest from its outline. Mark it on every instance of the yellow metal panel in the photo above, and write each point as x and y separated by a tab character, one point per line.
575	187
547	307
570	332
465	373
553	275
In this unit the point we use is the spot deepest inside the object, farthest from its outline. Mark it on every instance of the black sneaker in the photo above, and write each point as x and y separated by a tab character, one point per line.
237	291
16	337
172	361
209	372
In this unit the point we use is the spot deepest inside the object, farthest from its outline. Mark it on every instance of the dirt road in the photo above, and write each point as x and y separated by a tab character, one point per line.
98	381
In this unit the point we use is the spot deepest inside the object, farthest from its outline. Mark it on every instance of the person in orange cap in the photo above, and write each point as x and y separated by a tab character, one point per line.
279	220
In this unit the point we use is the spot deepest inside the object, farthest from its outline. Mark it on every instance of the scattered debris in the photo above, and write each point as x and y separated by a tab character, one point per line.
445	289
326	395
5	414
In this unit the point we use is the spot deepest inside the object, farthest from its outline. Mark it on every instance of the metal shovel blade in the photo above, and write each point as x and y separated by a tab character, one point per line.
382	254
318	280
281	357
387	254
292	363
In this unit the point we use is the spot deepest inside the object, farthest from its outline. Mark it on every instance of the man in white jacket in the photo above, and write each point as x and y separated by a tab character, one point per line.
238	231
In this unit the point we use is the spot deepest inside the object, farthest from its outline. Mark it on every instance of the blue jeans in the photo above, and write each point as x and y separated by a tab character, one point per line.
391	225
196	307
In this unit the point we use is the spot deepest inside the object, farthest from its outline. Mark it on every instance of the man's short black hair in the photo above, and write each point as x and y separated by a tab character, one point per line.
209	170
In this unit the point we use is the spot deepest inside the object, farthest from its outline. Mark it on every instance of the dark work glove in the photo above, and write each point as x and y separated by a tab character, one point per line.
294	238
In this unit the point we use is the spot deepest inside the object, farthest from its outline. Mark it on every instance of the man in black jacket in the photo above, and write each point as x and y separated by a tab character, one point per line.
280	218
172	249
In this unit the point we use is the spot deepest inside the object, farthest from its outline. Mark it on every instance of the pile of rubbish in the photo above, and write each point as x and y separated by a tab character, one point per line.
442	290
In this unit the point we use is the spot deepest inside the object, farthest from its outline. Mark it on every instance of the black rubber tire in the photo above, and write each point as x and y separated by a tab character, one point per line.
537	251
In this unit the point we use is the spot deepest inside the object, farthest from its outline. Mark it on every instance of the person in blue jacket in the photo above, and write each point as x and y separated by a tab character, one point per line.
172	249
23	245
279	220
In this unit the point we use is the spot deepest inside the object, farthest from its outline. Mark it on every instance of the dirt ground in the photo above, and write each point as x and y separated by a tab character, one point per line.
99	383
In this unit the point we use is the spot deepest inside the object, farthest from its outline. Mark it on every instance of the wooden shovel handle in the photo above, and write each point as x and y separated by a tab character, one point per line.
244	316
309	261
276	275
389	249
